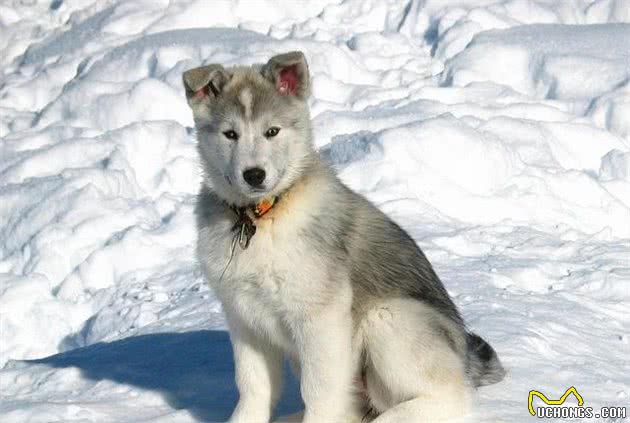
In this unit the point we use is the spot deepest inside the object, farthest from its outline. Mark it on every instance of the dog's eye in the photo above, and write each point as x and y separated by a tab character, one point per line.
231	135
272	132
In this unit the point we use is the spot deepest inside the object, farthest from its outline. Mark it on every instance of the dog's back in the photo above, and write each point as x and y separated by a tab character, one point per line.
386	263
407	323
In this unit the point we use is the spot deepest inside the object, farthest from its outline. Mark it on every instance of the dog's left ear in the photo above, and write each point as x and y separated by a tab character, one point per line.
289	74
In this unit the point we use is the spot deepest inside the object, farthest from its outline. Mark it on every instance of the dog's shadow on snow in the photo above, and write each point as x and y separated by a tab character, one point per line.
193	370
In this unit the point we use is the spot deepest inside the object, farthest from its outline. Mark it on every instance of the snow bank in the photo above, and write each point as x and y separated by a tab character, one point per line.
547	61
496	132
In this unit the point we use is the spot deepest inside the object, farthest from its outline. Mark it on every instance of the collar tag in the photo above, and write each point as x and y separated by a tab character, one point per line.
245	227
245	233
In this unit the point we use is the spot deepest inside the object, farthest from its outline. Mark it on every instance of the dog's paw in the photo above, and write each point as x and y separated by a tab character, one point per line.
298	417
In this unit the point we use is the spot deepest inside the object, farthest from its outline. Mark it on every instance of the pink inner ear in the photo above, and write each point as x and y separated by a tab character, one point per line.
204	92
288	80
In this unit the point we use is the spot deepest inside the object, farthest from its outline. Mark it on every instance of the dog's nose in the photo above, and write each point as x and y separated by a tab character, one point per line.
254	176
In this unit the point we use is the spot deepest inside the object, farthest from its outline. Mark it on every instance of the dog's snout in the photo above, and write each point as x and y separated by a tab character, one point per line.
254	176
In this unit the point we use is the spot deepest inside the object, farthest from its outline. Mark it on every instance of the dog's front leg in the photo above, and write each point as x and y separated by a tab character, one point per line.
258	367
324	347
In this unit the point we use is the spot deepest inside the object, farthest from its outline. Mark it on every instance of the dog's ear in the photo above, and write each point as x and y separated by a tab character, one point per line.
289	74
204	82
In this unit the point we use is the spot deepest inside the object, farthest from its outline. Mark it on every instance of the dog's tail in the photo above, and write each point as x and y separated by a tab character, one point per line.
484	366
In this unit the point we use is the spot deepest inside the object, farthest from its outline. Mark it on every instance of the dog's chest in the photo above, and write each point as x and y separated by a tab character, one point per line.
266	283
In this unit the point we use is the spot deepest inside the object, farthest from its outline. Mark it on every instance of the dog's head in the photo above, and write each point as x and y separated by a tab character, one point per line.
253	126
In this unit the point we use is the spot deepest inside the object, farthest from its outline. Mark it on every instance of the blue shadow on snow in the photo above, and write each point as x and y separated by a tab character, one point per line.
193	370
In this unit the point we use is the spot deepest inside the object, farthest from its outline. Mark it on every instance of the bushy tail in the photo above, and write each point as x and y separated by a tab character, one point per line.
484	366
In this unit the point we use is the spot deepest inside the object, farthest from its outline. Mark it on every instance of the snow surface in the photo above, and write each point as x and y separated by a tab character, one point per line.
496	131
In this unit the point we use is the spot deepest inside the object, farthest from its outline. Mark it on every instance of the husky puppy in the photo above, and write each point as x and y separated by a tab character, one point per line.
307	269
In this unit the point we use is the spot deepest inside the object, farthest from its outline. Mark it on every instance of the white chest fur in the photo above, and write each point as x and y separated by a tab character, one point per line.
267	283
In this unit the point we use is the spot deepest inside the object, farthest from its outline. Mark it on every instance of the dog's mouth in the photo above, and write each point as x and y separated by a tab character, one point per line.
252	193
258	193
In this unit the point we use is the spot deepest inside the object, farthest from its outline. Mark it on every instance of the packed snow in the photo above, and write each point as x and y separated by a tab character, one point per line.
497	132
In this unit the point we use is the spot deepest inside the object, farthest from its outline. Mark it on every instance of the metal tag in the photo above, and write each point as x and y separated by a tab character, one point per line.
246	232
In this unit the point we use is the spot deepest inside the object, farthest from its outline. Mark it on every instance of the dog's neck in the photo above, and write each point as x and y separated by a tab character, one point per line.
245	226
257	210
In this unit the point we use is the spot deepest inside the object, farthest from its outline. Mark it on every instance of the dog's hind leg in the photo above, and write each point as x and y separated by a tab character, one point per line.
413	370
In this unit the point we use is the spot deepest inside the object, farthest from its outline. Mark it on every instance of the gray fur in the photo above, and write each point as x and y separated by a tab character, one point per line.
387	263
349	234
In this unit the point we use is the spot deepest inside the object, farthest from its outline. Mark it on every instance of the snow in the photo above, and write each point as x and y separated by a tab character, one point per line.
497	132
547	60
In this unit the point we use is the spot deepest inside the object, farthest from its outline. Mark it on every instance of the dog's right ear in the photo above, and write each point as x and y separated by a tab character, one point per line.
204	83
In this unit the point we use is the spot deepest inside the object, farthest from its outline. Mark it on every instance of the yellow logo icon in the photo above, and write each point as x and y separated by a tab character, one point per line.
571	390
